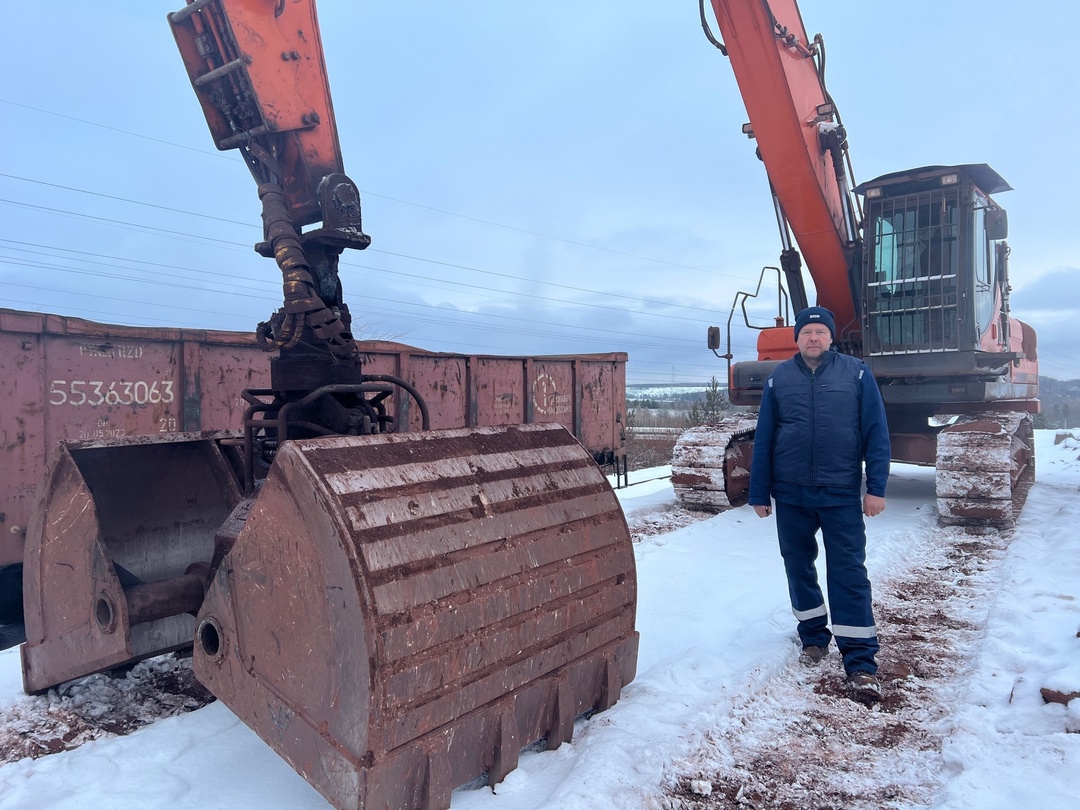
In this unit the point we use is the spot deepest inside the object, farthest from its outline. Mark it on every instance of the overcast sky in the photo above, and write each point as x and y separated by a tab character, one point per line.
537	178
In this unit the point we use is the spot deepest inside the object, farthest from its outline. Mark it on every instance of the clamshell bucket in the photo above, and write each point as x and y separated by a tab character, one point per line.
118	552
403	613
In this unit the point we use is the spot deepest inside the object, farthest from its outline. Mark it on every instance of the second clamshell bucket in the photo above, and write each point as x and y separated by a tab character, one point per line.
118	551
401	614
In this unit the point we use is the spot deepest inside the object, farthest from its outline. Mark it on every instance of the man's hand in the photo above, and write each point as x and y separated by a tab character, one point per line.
762	511
872	505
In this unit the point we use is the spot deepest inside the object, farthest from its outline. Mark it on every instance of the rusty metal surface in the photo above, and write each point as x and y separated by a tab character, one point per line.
914	448
985	466
710	466
402	613
256	76
68	379
115	531
150	601
584	393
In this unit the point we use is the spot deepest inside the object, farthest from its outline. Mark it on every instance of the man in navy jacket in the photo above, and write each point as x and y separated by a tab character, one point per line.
821	419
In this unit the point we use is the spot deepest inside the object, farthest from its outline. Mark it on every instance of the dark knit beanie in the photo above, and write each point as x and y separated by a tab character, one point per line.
815	315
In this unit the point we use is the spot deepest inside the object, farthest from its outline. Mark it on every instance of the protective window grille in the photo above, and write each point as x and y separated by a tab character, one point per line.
914	261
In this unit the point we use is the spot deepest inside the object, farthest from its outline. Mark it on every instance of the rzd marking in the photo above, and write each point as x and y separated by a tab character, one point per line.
546	397
118	352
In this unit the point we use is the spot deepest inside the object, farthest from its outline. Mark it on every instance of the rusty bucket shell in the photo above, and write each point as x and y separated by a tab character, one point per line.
403	613
116	528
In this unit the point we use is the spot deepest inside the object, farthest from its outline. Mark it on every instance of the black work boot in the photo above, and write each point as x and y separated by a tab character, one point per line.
811	656
864	687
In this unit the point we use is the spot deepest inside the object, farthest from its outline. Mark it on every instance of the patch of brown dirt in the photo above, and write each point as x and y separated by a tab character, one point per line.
821	749
669	520
98	706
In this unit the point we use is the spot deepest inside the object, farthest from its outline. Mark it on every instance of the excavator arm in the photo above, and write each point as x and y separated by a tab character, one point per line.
258	71
802	143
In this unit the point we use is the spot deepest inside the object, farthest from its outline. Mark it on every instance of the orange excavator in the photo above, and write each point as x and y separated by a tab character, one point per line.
394	613
914	266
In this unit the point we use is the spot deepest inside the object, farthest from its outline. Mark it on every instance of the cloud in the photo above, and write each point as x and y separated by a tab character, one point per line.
1051	305
1053	294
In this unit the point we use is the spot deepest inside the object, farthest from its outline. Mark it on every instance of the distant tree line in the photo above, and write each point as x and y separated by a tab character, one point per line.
1060	401
679	401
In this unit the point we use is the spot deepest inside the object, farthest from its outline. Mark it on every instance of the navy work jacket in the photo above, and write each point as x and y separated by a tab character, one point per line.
816	428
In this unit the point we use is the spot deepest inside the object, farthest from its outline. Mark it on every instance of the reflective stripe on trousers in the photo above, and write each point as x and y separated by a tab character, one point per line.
850	597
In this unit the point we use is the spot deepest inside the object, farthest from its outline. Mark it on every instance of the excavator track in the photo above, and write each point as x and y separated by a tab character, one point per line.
710	466
985	467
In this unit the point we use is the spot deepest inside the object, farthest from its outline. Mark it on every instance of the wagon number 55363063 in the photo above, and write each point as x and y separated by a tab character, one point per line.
97	392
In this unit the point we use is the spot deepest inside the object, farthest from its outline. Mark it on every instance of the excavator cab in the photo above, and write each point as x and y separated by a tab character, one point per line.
937	283
958	373
395	613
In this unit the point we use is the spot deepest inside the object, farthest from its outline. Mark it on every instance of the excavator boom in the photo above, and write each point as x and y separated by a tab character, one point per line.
799	137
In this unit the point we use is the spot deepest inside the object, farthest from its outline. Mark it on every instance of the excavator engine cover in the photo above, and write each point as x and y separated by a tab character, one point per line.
403	613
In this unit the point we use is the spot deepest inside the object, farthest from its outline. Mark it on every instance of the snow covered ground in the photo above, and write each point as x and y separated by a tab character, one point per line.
973	626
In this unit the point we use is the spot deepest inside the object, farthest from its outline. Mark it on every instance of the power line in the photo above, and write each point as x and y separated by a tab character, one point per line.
200	310
268	282
554	238
546	283
135	320
390	253
121	131
433	320
1047	363
109	221
246	293
125	200
223	283
480	220
84	257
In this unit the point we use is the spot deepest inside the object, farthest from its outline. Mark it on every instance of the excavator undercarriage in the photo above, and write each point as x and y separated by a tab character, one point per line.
710	465
985	465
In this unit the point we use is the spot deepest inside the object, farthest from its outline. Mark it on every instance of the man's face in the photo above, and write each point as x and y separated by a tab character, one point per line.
813	341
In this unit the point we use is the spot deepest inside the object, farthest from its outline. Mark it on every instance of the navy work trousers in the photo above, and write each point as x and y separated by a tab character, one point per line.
850	602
